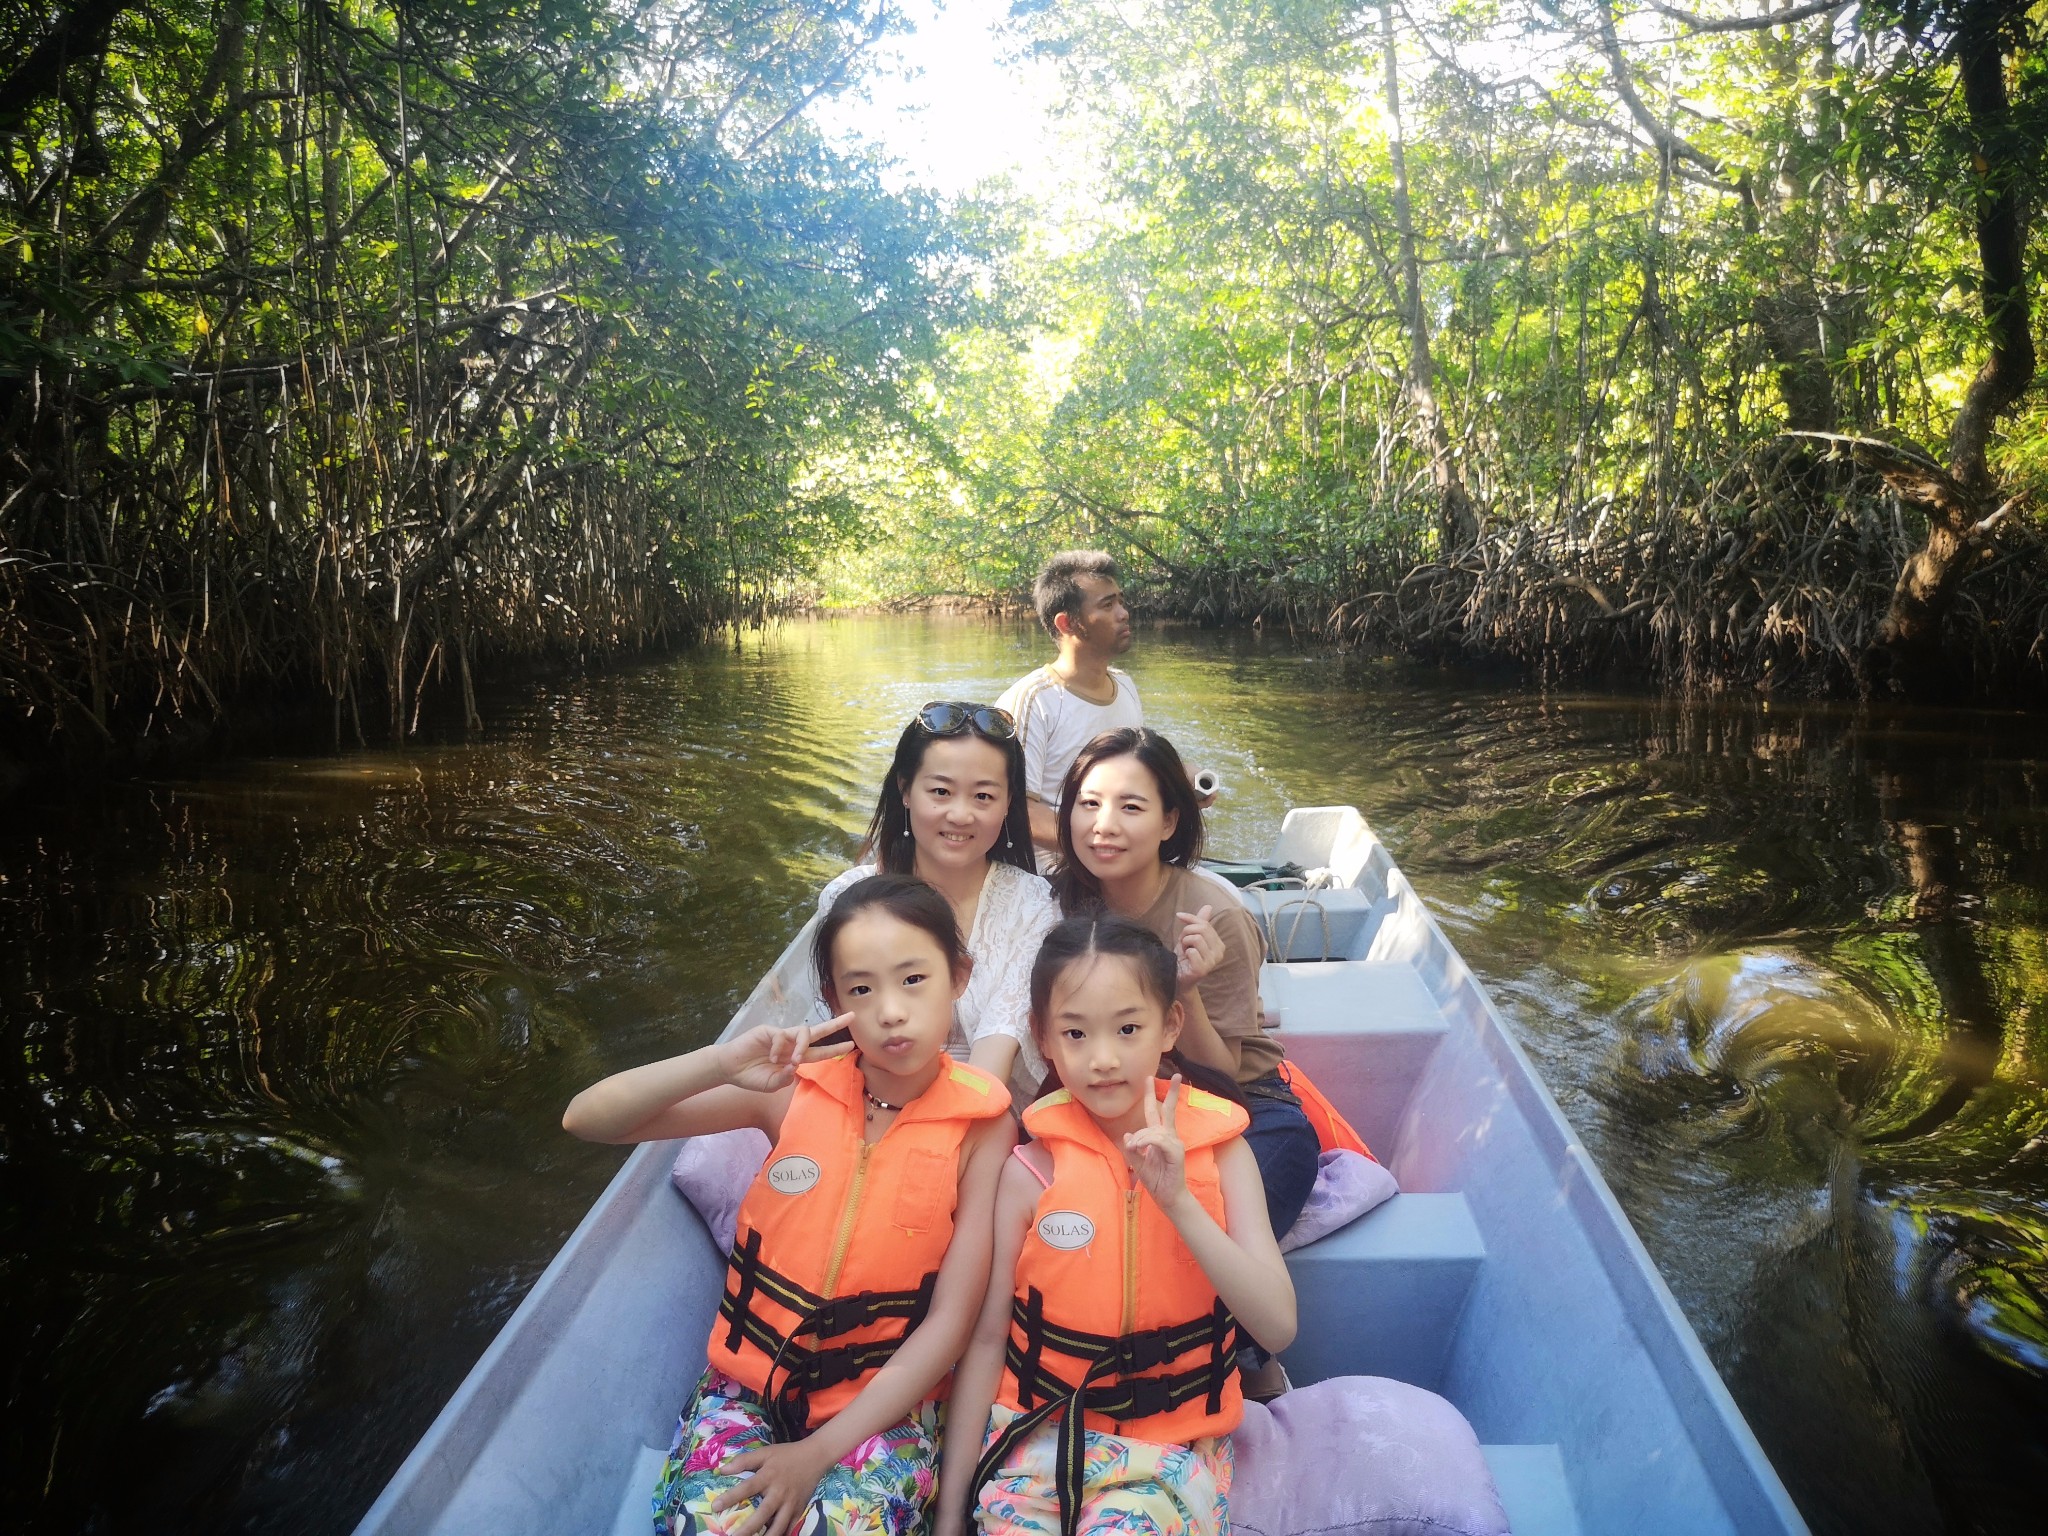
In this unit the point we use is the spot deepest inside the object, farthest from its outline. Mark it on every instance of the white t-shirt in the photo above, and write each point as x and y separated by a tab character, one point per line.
1015	912
1056	723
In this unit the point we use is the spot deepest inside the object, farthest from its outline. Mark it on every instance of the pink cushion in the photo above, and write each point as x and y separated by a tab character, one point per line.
1365	1454
1348	1184
713	1173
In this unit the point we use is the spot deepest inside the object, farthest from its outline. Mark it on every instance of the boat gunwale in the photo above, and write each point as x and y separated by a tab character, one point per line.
467	1418
1697	1391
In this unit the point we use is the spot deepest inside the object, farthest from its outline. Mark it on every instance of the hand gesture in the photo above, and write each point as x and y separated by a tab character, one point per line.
1155	1152
785	1479
766	1058
1199	949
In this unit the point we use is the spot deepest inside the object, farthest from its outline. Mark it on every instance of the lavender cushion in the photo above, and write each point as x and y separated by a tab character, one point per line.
713	1173
1348	1184
1365	1454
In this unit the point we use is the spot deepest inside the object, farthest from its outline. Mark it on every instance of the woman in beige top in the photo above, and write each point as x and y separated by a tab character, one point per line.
1130	832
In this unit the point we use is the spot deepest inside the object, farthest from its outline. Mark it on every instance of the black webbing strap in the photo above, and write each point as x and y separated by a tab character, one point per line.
843	1314
1224	1339
805	1368
818	1316
808	1371
1070	1458
746	1267
1131	1353
1129	1398
1030	1315
1126	1399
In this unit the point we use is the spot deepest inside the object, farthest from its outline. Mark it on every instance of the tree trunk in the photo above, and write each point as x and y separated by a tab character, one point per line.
2001	240
1908	655
1907	652
1460	522
1790	320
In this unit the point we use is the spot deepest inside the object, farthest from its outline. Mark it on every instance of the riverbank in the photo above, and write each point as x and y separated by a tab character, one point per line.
976	605
1776	605
288	714
1778	597
1760	590
1777	580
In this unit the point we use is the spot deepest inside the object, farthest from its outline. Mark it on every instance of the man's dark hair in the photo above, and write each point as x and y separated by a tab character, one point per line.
1056	591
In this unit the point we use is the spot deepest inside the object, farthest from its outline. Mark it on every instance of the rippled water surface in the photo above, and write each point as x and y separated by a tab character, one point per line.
286	1041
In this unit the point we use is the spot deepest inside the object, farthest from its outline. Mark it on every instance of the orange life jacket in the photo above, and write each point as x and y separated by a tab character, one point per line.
1333	1131
1114	1326
839	1240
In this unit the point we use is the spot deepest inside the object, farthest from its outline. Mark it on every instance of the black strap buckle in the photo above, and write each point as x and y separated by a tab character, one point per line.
843	1314
827	1369
1149	1397
1137	1352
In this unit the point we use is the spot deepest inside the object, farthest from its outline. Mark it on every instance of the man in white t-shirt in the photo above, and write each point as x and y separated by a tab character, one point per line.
1066	704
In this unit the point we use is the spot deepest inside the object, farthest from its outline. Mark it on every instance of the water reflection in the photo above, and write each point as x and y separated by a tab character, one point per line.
286	1041
1781	972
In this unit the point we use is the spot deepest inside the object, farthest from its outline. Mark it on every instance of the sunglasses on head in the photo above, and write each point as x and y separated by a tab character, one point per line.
949	717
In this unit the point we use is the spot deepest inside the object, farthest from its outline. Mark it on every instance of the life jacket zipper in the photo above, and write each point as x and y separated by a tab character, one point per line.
860	1179
1130	1260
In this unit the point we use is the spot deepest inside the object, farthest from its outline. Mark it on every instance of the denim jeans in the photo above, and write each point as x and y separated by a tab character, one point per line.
1285	1145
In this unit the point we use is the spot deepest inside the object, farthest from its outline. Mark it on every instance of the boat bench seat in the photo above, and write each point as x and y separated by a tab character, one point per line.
1317	925
1384	1296
1533	1489
1381	1297
1365	1030
636	1503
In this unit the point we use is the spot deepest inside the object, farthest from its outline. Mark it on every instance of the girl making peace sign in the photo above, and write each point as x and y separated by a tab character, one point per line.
863	1243
1131	1243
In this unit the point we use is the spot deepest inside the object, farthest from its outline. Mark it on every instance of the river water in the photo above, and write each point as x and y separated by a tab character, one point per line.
284	1042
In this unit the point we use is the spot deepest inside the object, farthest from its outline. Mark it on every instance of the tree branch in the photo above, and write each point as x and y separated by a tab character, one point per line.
1913	474
1669	144
833	77
1748	23
79	33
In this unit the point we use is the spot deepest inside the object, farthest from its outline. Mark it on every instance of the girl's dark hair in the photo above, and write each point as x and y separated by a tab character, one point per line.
1105	933
1077	889
907	900
888	843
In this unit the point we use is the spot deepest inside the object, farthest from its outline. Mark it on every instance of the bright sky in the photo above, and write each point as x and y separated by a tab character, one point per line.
948	109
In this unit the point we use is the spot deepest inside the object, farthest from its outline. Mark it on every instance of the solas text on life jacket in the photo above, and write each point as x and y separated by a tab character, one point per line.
839	1240
1112	1315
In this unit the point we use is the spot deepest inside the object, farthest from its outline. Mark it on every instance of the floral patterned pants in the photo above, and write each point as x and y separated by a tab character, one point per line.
882	1487
1131	1487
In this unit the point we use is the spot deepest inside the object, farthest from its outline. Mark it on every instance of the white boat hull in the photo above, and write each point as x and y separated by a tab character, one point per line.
1504	1277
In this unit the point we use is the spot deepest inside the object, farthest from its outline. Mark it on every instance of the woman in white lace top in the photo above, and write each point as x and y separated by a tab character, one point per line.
952	813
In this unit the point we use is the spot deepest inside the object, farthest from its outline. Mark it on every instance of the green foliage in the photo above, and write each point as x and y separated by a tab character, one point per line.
338	340
1639	264
343	343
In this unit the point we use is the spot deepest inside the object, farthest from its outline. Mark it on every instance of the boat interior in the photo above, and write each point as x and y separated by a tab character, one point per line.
1503	1276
